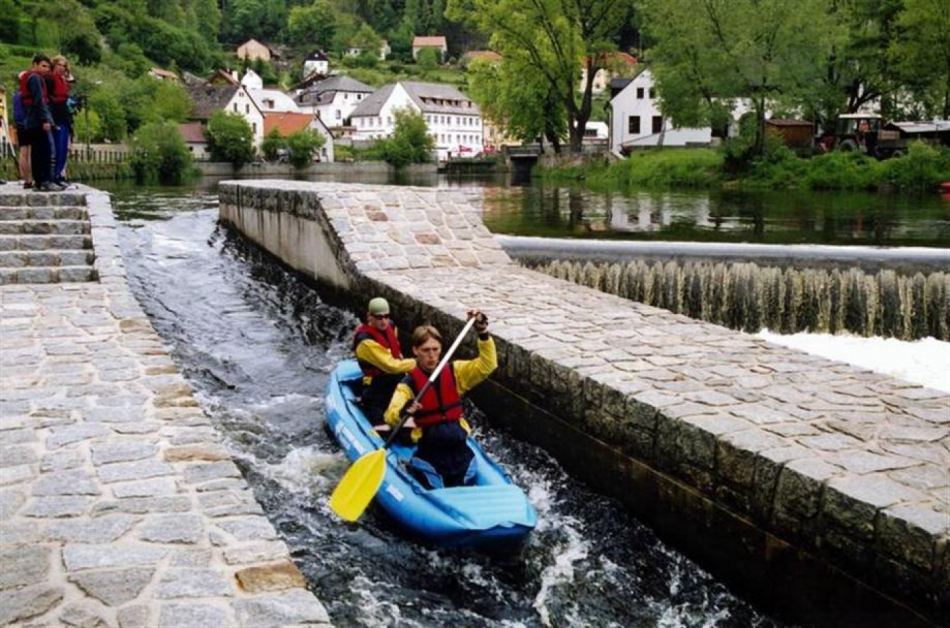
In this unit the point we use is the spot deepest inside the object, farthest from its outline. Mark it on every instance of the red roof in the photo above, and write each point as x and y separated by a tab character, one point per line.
192	133
434	40
491	55
286	123
612	58
787	122
164	74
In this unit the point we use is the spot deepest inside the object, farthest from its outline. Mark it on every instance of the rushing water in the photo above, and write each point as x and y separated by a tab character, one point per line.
258	344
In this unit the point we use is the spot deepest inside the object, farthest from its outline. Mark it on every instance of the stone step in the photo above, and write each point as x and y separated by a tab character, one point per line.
51	257
44	242
45	227
29	198
33	274
77	212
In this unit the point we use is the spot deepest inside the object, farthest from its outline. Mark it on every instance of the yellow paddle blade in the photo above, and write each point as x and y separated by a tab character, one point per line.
358	486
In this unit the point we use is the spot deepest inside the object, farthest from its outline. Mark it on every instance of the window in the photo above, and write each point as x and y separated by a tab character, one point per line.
652	93
639	93
633	125
657	124
337	114
247	108
254	127
389	119
235	107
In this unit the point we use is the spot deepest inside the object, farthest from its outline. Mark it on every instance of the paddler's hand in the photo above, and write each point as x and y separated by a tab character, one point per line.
481	323
410	424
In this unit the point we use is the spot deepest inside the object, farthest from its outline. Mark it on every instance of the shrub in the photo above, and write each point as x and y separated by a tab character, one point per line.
302	145
842	171
159	154
410	143
923	168
272	144
230	138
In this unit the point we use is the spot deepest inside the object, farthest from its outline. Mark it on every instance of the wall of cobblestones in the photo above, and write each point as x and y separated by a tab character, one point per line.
845	467
119	504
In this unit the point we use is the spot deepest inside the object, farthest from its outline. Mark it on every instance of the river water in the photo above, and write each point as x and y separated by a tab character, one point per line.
257	344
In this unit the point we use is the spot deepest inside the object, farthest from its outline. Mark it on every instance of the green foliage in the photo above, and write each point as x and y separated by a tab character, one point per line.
303	145
410	142
272	144
159	154
923	168
87	127
230	138
921	52
261	19
10	17
312	25
428	59
546	39
105	103
709	52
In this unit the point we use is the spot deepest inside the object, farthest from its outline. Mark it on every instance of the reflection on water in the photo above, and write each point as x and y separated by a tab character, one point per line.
785	217
542	209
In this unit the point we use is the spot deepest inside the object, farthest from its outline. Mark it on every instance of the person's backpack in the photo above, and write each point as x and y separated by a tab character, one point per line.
19	113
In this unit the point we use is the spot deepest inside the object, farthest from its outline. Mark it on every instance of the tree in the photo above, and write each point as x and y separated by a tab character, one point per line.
106	104
303	145
428	59
10	15
410	142
710	52
523	103
230	138
272	144
159	154
552	38
921	53
312	25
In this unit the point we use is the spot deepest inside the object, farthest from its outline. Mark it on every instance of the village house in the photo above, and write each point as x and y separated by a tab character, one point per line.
384	50
316	63
222	78
333	99
163	75
453	120
193	133
610	65
436	42
286	124
208	99
252	50
268	100
636	121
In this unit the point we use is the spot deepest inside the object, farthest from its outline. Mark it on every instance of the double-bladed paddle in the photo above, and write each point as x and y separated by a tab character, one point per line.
360	484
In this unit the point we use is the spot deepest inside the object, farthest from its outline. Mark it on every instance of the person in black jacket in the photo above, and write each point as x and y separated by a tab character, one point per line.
39	122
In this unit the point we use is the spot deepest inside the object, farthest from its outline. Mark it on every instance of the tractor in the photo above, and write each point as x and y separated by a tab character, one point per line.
865	133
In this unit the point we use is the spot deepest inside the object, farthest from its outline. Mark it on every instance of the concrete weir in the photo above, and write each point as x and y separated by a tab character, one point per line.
119	504
820	489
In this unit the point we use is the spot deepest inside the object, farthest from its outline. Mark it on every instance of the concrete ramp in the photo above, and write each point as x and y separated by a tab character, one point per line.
820	488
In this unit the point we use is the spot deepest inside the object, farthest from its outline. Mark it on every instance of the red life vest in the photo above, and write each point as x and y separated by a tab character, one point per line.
386	339
25	96
441	403
60	90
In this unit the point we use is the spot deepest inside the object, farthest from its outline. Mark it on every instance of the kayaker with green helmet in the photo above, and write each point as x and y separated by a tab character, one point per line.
376	345
443	457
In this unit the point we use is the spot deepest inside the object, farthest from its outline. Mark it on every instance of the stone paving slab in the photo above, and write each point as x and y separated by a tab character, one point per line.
851	465
108	511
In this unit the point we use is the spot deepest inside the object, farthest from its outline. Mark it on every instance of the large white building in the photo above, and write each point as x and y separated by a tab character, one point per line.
636	120
453	120
333	99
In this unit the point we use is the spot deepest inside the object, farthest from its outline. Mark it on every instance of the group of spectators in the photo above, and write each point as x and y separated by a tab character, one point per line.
43	115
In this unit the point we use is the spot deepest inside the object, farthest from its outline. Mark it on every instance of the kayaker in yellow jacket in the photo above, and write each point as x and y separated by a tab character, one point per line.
376	345
443	457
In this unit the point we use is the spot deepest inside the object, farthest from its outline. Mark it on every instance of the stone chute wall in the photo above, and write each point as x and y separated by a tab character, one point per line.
807	461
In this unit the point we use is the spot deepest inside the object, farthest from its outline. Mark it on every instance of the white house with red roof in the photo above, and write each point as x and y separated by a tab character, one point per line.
436	42
286	124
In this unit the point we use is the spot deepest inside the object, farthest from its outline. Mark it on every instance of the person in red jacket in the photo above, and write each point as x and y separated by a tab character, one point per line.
376	345
39	122
57	84
443	457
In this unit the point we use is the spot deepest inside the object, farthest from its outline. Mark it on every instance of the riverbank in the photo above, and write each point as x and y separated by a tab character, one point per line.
922	170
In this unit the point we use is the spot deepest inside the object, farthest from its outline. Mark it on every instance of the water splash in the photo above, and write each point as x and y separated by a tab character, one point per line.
749	297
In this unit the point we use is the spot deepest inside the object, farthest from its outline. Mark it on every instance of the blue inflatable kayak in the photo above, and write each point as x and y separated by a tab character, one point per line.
493	513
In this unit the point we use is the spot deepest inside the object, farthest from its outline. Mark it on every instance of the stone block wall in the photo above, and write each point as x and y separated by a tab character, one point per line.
847	468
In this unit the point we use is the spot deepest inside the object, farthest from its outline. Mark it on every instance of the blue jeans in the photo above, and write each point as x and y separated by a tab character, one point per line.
61	151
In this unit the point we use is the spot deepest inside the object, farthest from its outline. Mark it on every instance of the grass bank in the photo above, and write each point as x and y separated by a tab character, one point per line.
921	170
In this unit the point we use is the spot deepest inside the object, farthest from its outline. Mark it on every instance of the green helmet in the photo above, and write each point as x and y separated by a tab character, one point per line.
378	306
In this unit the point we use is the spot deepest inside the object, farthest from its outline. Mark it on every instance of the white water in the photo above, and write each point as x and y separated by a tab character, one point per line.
925	362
